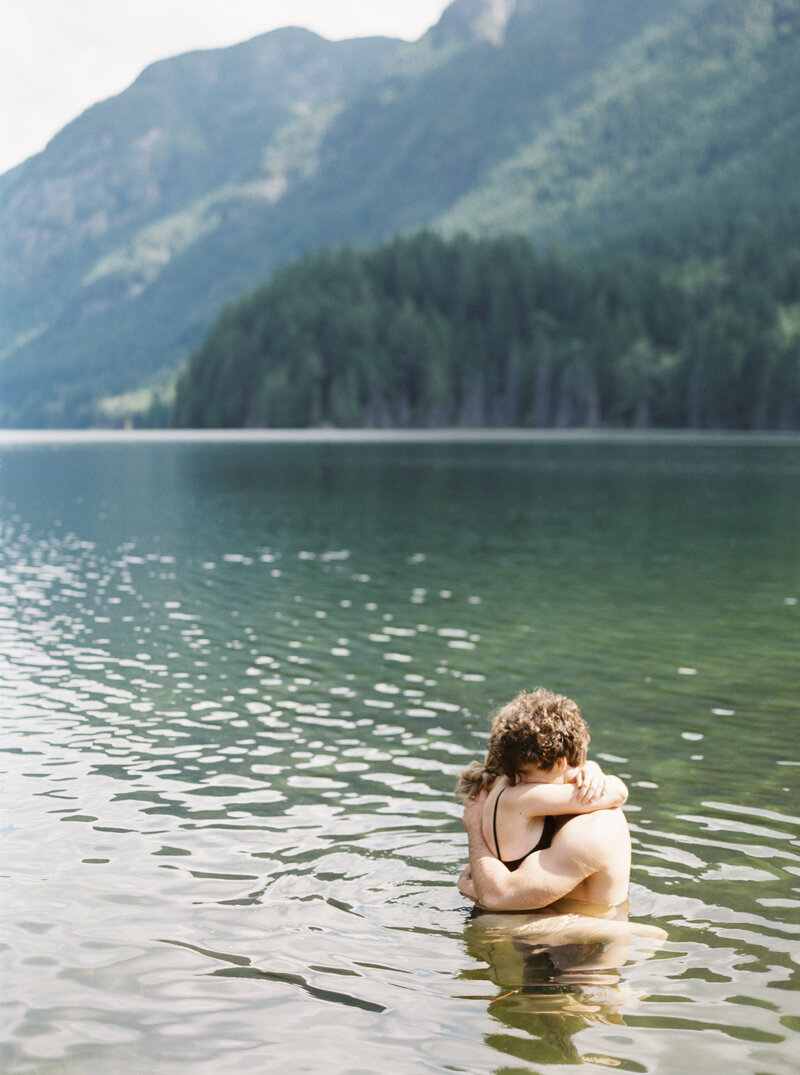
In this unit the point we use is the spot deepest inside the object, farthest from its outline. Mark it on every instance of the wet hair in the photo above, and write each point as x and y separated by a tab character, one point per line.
535	728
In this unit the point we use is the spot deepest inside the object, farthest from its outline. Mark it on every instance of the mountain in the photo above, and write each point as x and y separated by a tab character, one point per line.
107	273
595	125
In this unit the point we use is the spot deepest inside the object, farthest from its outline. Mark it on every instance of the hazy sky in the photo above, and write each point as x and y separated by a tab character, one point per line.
57	57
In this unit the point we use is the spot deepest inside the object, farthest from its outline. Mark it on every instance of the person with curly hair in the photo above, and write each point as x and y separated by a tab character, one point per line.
542	822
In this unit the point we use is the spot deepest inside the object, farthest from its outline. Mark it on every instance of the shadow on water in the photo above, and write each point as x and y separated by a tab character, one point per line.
558	976
241	967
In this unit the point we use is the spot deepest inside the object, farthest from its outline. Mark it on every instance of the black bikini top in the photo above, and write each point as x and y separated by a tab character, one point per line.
548	831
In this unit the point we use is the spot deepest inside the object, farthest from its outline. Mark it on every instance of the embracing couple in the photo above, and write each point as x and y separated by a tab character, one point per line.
545	826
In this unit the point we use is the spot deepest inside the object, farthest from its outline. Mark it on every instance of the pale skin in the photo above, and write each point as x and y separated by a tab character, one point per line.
522	804
588	860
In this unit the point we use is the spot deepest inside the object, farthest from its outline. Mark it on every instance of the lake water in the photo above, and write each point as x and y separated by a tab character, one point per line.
239	678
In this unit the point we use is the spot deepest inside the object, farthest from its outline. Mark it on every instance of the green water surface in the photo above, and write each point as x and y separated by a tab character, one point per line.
240	677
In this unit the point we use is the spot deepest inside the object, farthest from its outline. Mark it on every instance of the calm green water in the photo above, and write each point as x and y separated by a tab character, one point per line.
238	680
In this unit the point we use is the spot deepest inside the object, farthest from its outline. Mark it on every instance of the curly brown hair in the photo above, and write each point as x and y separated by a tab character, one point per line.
535	728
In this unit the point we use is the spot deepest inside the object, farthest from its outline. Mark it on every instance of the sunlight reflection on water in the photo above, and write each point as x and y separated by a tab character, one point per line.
235	701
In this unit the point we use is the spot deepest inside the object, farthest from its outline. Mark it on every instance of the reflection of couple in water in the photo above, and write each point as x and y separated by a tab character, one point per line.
549	842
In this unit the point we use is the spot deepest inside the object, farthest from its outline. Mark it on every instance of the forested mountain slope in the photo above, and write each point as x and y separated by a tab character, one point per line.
595	125
431	332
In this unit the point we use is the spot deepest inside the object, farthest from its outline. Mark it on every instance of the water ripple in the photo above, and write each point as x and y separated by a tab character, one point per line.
230	725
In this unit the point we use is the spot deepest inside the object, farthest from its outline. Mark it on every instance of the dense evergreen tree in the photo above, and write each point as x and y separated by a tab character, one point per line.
429	332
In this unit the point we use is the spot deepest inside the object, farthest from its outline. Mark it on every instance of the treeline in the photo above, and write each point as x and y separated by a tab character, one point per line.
429	332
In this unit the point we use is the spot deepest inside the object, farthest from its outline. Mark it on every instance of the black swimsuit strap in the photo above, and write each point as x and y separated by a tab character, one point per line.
494	824
548	831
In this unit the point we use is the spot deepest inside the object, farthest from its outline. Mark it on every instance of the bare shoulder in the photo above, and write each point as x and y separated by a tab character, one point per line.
588	836
595	823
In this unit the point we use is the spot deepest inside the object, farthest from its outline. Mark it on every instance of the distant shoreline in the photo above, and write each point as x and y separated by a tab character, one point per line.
454	435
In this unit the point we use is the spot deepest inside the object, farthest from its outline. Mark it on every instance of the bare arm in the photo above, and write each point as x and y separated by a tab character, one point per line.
544	877
541	799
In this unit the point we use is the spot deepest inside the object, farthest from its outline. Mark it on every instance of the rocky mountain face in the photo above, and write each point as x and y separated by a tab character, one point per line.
88	227
187	128
577	122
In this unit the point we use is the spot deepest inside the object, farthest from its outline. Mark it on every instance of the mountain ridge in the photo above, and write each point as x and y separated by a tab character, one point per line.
585	123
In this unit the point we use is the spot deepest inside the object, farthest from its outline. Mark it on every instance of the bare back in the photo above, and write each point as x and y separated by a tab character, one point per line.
509	831
594	851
